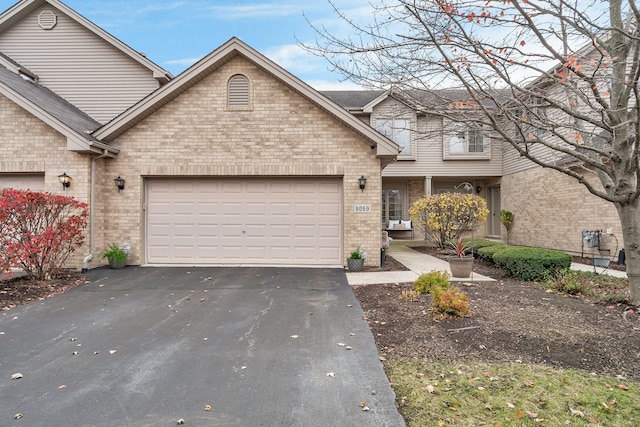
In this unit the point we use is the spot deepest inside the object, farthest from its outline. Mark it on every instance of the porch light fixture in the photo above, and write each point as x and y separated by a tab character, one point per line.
362	180
65	180
478	189
119	183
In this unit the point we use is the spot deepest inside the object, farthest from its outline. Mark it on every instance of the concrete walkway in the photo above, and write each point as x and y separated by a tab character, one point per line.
417	262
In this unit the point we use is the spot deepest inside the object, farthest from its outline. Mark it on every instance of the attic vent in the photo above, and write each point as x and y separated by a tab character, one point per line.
47	20
238	91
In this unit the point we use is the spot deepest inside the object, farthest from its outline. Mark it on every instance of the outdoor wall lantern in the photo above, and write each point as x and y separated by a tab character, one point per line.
65	180
478	189
119	183
362	180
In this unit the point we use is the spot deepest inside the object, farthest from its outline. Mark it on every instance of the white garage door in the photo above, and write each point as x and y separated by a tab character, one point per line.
264	221
22	181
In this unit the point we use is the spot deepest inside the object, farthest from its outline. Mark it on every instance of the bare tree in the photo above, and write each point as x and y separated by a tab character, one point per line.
556	79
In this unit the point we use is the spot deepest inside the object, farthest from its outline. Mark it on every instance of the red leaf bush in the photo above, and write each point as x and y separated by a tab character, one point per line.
38	231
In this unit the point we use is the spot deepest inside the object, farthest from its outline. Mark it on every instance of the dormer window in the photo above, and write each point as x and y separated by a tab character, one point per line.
238	92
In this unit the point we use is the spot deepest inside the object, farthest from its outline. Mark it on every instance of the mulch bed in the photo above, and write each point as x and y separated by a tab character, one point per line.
16	291
512	321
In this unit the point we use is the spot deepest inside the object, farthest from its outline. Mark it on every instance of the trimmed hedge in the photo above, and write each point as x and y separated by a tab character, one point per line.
486	252
481	243
531	263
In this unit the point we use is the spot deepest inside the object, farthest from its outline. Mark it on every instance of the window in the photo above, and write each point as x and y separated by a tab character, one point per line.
392	205
397	130
238	92
466	141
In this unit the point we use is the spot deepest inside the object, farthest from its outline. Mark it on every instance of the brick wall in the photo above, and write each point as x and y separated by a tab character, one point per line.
284	134
551	209
30	145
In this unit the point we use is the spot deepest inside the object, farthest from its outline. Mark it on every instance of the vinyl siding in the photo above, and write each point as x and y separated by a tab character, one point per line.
78	65
429	153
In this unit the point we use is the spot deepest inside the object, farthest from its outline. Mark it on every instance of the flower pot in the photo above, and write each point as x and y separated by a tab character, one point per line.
117	264
355	264
461	267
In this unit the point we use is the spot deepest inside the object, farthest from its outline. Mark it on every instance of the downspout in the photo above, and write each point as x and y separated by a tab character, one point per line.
92	198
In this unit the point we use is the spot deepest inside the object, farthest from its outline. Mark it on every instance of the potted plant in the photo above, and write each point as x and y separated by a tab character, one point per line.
460	263
117	256
355	262
506	219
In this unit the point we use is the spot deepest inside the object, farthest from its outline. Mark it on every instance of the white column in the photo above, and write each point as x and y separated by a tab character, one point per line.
427	185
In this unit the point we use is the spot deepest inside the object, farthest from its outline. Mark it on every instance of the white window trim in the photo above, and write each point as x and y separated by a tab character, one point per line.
450	132
412	141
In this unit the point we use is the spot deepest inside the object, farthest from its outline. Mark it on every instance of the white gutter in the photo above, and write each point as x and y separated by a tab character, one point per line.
92	199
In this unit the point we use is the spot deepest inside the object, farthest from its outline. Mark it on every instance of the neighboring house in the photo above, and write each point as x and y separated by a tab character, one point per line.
234	161
437	155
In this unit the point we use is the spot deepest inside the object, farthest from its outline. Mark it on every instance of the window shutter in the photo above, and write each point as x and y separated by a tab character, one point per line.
238	91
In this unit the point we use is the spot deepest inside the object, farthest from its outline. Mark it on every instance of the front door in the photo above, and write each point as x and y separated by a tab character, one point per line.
493	202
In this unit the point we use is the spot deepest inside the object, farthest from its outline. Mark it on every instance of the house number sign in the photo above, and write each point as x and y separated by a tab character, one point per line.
361	208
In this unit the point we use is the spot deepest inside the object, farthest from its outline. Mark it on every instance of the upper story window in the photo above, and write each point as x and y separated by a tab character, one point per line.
465	141
238	92
399	131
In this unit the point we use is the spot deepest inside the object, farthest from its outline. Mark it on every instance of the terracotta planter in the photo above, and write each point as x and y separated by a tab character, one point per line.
461	267
355	264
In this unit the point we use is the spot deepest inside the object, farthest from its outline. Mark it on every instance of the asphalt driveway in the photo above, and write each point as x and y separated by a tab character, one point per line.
148	346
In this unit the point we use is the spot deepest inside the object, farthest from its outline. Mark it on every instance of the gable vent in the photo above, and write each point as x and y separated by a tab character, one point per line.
238	91
47	20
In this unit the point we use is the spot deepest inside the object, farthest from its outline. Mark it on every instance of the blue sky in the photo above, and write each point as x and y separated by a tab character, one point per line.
176	33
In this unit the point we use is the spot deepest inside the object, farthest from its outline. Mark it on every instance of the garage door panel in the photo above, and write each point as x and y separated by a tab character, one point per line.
250	221
22	181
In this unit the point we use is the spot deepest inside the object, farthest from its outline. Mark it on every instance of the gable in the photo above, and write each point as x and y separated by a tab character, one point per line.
78	64
385	149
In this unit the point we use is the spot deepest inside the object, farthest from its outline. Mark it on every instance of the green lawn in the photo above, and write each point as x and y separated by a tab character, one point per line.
509	394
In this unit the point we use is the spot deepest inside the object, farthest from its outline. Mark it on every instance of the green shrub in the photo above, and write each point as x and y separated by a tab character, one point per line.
570	282
486	252
476	244
531	263
451	302
431	282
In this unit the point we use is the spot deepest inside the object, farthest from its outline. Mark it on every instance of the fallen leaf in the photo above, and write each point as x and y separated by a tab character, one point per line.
17	376
365	408
348	347
75	353
341	344
510	405
431	388
96	353
331	374
623	387
528	383
18	416
73	339
362	404
532	415
294	336
62	386
207	407
180	421
113	351
519	414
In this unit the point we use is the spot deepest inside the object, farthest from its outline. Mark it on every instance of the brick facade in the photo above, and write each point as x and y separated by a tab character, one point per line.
283	135
30	145
551	210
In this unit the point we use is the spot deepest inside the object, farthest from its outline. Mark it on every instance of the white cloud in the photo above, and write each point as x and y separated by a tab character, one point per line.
294	59
184	62
266	10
